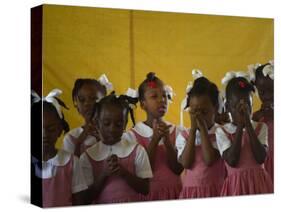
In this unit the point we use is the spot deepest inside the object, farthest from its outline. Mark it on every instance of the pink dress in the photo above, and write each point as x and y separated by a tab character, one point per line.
269	162
116	190
165	184
201	180
57	191
248	177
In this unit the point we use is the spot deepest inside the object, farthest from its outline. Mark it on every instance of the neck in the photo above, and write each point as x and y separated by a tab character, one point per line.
50	154
149	120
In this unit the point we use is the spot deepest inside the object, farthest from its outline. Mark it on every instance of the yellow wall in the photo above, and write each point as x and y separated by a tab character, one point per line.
81	42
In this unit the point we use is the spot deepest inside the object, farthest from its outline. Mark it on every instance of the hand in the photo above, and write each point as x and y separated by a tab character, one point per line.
201	123
160	129
193	121
115	168
90	129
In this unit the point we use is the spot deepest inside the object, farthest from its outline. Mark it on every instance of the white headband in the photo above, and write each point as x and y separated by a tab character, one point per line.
50	98
105	82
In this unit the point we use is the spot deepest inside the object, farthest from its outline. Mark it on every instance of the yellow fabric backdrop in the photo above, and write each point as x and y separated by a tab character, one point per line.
84	42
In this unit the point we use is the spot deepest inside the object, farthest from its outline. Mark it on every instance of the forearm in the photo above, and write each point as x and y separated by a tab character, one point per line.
78	142
232	155
188	154
258	149
151	149
138	184
173	163
210	155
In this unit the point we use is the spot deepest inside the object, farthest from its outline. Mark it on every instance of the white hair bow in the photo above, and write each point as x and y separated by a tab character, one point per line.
132	93
268	70
51	98
36	97
169	91
234	74
252	71
105	82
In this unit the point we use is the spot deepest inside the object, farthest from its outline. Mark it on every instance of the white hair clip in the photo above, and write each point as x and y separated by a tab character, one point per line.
51	98
132	93
105	82
170	92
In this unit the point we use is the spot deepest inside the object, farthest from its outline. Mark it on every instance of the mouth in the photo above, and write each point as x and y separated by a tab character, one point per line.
162	109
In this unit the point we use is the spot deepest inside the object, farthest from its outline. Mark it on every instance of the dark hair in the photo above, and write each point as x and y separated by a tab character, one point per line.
124	102
202	86
150	77
258	72
238	85
80	82
36	111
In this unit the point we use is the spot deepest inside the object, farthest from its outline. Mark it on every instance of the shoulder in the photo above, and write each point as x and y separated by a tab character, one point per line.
75	132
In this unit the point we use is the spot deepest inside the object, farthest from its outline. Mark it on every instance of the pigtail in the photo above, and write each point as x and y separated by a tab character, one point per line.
129	103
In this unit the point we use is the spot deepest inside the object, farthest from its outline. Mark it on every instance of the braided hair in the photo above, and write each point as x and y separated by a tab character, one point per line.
123	101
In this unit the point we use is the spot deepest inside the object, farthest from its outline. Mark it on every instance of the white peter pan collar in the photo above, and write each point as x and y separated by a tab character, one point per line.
231	128
147	132
49	167
122	149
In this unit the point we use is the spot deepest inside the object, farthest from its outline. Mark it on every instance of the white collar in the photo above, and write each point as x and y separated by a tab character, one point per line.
122	149
48	168
231	128
60	159
147	132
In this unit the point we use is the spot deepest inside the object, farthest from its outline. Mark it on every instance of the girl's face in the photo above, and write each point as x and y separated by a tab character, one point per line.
111	124
155	101
233	103
52	129
86	100
265	89
204	105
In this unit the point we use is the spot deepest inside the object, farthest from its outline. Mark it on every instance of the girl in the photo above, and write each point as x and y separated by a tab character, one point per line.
242	143
158	137
262	77
117	169
62	180
84	95
197	149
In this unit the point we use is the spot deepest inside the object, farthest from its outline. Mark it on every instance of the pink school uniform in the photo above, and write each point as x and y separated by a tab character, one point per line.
68	144
131	155
248	177
165	184
269	162
201	180
61	177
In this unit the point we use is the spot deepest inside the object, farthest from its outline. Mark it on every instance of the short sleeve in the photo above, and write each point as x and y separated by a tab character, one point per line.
87	169
223	142
142	164
263	134
78	180
180	144
68	145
